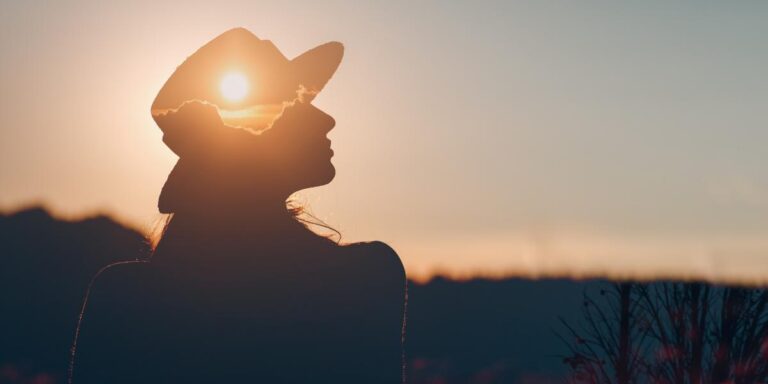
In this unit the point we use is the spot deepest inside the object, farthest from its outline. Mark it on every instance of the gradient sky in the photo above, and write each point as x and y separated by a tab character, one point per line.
477	137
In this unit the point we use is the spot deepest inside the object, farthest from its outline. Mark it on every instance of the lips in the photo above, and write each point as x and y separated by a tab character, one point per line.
328	148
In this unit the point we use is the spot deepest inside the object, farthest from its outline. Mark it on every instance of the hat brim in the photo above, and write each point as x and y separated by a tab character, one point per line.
316	66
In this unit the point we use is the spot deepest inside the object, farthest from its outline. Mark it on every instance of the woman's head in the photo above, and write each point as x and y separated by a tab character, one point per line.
223	164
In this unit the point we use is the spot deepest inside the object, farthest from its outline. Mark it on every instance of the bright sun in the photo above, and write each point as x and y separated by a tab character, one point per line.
234	86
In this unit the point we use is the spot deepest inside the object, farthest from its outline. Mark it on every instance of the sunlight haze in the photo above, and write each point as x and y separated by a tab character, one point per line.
234	86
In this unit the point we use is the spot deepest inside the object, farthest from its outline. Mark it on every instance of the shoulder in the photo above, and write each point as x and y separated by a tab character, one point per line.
116	285
379	257
111	303
120	275
103	336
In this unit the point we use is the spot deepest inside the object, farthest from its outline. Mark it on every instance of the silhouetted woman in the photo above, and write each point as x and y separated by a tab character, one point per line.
239	289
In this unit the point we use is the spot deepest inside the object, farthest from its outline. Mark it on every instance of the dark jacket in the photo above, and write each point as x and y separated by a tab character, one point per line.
291	309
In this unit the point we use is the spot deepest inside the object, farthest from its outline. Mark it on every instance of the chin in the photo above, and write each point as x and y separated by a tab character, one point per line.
319	177
327	174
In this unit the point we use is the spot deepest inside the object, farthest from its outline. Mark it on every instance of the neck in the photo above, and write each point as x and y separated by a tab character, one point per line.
253	213
229	234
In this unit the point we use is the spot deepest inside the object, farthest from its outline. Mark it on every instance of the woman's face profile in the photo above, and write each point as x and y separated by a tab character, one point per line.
300	146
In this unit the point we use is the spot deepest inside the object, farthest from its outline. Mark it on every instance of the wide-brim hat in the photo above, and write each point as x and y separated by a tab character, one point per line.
270	79
268	82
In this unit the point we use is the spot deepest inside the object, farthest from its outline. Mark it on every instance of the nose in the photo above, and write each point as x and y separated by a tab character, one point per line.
324	121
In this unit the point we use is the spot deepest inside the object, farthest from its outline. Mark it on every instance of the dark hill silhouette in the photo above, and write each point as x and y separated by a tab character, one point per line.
490	331
458	332
46	266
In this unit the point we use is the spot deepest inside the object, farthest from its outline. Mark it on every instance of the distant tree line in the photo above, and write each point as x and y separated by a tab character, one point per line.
669	333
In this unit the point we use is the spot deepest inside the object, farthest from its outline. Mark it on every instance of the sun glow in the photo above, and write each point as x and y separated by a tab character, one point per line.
234	86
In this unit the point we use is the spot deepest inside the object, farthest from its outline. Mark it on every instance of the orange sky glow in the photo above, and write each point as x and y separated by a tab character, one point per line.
622	139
